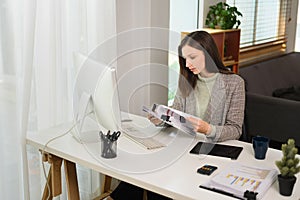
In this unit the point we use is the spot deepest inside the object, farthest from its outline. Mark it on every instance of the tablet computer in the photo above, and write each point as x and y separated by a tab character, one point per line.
215	149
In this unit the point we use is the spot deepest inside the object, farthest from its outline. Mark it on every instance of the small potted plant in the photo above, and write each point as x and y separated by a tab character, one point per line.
288	167
223	16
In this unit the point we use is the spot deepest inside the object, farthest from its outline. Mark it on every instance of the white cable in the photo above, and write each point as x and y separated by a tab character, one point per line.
51	140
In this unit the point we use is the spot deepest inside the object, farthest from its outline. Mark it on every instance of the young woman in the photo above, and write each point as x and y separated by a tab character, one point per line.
207	90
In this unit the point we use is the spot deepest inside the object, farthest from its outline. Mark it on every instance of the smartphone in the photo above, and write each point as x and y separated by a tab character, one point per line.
206	169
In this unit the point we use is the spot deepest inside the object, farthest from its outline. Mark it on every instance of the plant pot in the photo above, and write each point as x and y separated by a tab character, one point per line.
286	185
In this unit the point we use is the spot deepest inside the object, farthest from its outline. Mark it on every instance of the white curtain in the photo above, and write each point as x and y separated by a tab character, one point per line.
37	73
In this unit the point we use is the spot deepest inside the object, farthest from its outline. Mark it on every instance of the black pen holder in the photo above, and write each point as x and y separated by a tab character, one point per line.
108	147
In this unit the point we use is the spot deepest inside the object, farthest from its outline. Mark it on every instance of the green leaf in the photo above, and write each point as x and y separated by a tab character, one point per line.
290	163
284	171
211	25
220	5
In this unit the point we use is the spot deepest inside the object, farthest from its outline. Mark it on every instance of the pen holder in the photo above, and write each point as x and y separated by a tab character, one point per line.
108	147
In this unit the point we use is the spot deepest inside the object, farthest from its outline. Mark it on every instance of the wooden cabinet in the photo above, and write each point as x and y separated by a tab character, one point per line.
228	43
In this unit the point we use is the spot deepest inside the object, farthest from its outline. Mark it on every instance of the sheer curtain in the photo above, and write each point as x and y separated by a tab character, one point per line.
15	74
37	73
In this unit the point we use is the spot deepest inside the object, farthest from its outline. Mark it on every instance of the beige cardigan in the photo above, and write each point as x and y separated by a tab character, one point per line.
225	109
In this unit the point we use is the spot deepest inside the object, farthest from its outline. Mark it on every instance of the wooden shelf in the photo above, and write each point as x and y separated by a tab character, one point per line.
228	44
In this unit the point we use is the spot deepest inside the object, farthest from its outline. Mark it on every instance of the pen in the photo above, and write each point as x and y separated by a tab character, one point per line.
126	120
221	192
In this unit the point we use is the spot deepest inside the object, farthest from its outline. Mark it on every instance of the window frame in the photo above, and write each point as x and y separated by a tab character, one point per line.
253	52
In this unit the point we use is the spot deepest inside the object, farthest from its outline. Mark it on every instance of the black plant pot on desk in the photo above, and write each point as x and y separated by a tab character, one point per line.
286	185
288	167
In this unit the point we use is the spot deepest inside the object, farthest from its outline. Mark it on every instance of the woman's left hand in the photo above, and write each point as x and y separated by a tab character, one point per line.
200	125
154	120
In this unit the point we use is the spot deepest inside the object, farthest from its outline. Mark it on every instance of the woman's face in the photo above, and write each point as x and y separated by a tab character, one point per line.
195	59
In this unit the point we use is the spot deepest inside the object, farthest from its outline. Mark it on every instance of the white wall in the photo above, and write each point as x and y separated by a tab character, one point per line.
142	28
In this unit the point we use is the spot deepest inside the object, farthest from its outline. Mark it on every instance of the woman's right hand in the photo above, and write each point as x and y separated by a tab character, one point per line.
200	125
154	120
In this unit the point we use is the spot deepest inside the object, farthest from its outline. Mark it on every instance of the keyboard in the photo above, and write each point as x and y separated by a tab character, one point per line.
149	143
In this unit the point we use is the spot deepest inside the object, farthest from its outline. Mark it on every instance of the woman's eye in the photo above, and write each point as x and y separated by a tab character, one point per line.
192	57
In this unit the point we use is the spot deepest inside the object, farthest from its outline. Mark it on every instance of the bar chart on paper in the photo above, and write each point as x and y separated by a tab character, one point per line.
237	179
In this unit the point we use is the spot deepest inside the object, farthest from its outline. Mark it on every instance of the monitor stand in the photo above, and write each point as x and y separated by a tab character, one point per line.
87	128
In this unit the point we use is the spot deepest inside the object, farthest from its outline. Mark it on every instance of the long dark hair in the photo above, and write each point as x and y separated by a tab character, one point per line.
213	63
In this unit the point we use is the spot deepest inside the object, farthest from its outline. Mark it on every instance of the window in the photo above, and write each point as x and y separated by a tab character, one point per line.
263	25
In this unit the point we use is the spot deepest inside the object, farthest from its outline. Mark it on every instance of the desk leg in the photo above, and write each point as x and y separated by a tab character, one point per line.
46	190
71	179
54	176
107	184
105	191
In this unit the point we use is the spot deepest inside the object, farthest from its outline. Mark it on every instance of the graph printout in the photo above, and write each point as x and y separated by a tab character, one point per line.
238	178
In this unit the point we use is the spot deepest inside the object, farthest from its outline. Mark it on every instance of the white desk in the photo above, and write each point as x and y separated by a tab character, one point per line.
178	180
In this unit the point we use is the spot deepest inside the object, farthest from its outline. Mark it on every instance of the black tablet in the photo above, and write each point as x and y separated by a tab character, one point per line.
221	150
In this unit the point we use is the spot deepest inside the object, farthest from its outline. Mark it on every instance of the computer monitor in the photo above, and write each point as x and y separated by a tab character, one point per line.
95	100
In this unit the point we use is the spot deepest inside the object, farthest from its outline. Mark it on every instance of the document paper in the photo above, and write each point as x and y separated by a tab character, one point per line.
237	179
